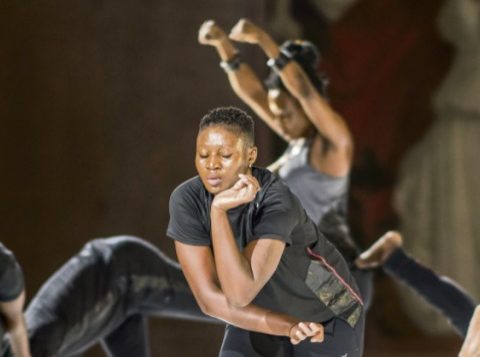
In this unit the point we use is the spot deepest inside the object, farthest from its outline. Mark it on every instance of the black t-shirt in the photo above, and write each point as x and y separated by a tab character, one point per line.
11	277
275	213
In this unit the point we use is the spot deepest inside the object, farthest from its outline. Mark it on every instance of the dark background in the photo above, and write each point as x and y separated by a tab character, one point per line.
99	105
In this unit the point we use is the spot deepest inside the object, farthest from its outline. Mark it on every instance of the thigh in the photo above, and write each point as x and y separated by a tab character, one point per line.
75	307
129	339
243	343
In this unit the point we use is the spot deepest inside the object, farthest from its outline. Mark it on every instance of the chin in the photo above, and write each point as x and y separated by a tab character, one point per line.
214	189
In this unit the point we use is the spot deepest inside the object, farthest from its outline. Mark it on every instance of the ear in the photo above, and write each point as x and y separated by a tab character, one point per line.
252	155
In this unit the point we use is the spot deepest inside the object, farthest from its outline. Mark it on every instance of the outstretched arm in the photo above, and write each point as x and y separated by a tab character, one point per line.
243	80
336	160
12	312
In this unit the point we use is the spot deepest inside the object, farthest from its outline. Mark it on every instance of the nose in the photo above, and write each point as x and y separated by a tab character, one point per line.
213	163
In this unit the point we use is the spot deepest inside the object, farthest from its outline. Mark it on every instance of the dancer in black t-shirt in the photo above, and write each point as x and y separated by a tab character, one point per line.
254	258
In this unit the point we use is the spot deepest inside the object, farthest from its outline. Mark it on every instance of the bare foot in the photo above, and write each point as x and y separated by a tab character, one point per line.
378	253
471	345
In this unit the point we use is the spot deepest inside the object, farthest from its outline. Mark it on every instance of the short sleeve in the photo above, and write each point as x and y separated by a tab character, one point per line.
187	220
278	215
11	276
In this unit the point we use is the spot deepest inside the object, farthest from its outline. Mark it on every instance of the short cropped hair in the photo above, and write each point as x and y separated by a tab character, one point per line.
234	119
307	56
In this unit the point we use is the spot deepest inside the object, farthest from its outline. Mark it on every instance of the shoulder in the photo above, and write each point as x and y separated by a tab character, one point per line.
189	191
7	259
191	186
11	277
189	218
273	190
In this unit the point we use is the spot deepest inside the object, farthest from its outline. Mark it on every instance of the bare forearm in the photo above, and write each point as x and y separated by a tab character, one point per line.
233	269
19	339
250	317
246	84
248	87
268	45
327	121
12	312
225	49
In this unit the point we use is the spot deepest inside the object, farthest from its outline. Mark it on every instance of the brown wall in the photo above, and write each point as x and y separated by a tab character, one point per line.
99	105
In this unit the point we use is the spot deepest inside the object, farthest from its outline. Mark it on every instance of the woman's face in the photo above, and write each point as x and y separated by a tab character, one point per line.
287	111
222	154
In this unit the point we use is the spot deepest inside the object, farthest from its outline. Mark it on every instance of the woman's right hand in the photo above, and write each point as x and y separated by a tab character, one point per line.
304	330
246	31
210	33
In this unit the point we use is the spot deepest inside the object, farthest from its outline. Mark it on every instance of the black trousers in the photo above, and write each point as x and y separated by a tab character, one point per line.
439	291
340	340
103	294
364	280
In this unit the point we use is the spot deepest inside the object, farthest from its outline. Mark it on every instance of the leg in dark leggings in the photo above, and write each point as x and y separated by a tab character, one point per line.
81	303
129	339
94	293
441	292
340	340
242	343
180	302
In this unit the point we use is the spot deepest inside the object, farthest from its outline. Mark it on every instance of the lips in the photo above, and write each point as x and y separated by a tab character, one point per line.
214	181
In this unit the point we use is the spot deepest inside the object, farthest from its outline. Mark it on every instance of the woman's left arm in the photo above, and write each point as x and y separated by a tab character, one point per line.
329	124
12	314
241	273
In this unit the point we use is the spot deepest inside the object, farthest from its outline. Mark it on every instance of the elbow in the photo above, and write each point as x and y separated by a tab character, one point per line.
345	144
207	307
238	303
239	299
211	306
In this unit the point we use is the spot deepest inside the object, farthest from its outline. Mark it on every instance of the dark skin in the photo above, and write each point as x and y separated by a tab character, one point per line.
12	313
223	162
298	112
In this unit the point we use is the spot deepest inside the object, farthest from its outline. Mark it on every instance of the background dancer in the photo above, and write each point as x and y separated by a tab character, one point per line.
317	162
103	294
12	299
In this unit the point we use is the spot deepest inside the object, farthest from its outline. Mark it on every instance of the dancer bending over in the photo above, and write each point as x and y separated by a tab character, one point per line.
12	299
252	256
103	294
